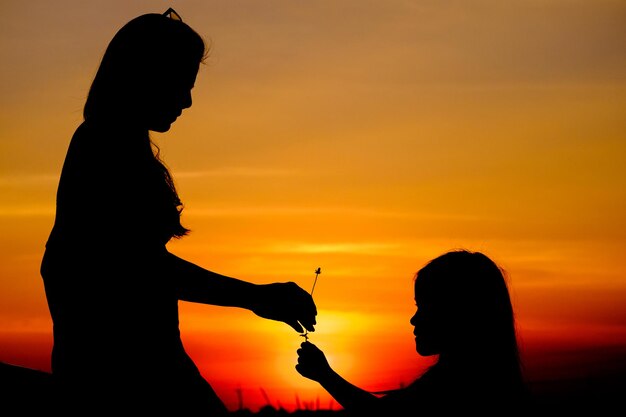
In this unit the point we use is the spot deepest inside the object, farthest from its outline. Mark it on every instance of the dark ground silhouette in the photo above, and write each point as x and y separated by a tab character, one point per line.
24	391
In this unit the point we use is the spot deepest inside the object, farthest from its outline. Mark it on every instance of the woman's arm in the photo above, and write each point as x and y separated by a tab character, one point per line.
312	364
286	302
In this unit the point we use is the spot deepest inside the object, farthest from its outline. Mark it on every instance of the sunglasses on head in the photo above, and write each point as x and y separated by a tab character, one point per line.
171	13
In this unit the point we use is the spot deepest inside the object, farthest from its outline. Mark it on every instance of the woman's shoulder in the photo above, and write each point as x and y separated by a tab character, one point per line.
99	141
111	132
85	137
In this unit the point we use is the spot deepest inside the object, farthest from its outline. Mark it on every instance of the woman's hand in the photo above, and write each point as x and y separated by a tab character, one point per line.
286	302
312	362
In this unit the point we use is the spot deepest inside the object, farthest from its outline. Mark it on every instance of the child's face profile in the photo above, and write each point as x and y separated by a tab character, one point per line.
426	327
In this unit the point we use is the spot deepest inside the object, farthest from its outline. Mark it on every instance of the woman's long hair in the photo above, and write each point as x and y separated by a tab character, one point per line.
144	53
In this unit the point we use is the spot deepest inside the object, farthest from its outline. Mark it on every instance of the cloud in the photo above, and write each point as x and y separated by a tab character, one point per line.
237	172
27	211
28	180
373	248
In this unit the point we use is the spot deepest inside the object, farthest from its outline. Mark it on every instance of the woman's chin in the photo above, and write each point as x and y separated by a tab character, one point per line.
161	127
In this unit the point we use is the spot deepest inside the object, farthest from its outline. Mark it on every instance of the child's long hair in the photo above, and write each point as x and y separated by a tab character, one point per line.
472	294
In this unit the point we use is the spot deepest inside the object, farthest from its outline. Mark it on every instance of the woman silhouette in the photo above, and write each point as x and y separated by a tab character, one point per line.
465	317
111	284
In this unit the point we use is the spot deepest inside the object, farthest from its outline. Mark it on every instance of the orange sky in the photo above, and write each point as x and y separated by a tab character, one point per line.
362	137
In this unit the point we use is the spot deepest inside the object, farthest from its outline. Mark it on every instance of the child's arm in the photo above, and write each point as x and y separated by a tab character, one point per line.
312	364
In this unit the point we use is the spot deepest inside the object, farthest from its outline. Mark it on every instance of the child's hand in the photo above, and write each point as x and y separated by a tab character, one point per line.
312	362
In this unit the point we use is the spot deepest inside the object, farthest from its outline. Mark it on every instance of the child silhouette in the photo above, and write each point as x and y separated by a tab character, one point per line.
465	317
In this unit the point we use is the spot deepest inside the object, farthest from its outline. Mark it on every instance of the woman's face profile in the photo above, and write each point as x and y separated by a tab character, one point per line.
166	100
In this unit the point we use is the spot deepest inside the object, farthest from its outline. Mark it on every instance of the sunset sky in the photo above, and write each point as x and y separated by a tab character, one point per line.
362	137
